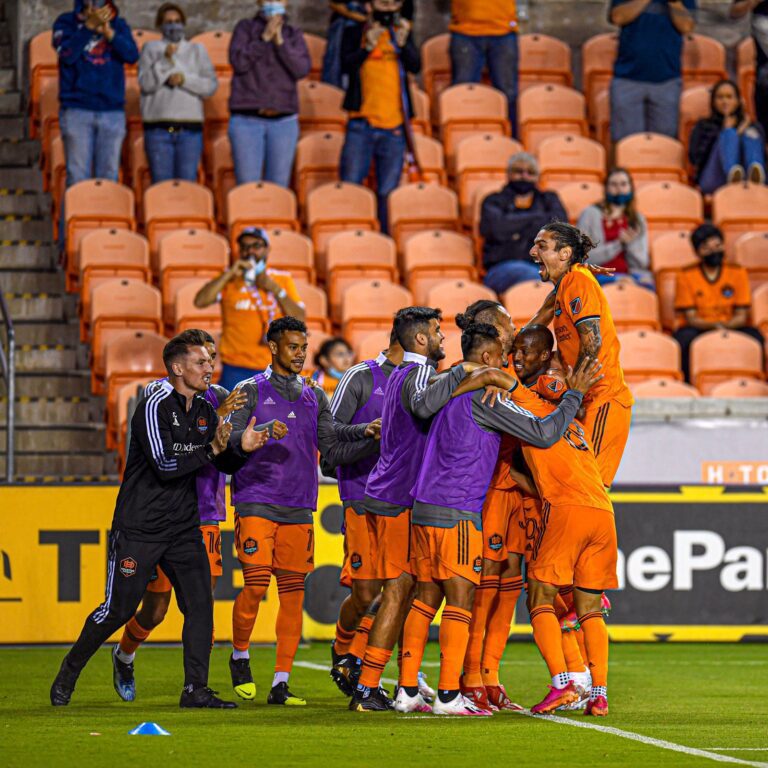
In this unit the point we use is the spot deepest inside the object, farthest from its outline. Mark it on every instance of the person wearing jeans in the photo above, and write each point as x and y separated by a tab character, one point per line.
485	34
268	56
174	76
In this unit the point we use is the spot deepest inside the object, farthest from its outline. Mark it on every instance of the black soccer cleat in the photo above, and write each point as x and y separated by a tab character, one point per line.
242	679
64	685
371	700
345	672
203	697
122	678
281	695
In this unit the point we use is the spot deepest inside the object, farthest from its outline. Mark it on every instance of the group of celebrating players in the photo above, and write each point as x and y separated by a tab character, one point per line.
448	481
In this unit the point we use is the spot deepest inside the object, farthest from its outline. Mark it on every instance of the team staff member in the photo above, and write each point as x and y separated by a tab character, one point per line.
274	496
251	295
174	434
584	328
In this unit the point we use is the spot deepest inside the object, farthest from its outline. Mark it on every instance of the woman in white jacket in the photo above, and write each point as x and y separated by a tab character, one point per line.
620	231
174	76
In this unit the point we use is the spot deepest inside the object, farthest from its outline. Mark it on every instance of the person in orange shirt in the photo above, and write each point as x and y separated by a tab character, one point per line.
711	294
484	33
251	295
584	328
332	361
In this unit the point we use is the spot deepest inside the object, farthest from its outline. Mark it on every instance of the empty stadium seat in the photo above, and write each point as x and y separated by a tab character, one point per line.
421	122
315	340
547	110
454	296
669	206
670	253
717	356
703	60
648	355
436	68
652	157
431	160
216	117
632	307
578	195
292	252
738	208
316	46
740	388
694	105
543	59
415	207
370	345
49	120
601	118
750	251
317	162
597	57
568	158
139	175
371	305
315	305
451	345
216	43
187	315
746	64
657	388
524	300
43	66
320	107
760	309
221	176
260	204
481	192
117	415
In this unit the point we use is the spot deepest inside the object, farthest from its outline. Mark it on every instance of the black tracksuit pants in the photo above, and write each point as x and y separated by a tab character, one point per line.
130	567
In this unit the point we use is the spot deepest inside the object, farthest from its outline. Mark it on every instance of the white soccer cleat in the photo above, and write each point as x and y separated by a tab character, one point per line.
427	693
405	703
461	706
583	683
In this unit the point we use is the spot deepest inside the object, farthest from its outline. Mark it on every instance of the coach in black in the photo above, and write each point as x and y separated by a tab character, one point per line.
174	432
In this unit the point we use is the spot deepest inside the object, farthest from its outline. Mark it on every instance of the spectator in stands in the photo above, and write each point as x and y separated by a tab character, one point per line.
620	231
711	295
93	43
332	361
268	56
375	55
647	76
726	146
485	34
174	76
251	296
509	221
759	24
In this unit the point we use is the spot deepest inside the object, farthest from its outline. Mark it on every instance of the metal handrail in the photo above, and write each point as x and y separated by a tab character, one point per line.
8	371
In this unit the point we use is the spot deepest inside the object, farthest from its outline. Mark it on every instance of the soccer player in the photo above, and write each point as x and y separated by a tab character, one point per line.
446	541
212	505
275	494
174	433
584	328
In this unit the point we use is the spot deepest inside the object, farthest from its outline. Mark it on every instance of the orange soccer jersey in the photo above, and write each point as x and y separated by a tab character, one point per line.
714	301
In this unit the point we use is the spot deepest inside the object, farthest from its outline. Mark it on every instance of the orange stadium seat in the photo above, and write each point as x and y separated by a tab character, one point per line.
43	66
90	205
260	204
652	157
216	43
49	121
336	207
471	108
369	346
316	306
524	300
547	110
454	296
750	251
292	252
187	315
478	196
117	305
216	119
717	356
415	207
370	305
564	159
141	36
436	68
117	415
739	208
431	159
694	105
760	309
669	206
316	46
746	65
139	176
544	59
740	388
657	388
354	256
703	60
597	57
648	355
317	162
222	175
320	107
632	307
670	253
133	122
435	256
601	118
422	112
578	195
452	347
58	181
479	159
315	339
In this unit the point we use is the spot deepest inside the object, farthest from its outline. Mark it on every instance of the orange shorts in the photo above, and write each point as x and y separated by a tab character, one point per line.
578	546
212	540
503	524
390	543
443	553
358	563
607	424
281	546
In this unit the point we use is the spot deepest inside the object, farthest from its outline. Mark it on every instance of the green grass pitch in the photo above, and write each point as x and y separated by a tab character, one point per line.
694	696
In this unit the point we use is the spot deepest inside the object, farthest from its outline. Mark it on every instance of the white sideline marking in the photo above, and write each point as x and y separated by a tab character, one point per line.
738	749
322	668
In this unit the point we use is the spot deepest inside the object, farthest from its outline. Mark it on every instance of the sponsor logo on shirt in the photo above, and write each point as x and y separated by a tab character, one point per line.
185	447
291	415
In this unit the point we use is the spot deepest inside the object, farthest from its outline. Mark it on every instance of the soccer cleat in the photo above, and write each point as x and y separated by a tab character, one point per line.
122	678
605	605
477	696
242	679
345	672
63	685
368	700
426	692
556	698
203	697
281	695
583	683
459	705
497	698
406	703
597	707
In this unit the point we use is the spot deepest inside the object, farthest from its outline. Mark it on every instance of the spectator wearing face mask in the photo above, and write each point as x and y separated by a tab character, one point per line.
93	43
711	294
251	295
509	221
268	56
174	76
332	361
620	231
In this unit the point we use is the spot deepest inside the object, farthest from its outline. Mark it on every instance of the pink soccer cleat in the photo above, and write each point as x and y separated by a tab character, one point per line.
597	707
556	697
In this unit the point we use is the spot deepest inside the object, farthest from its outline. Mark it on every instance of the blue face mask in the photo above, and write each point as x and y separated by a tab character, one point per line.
256	268
624	199
173	31
273	8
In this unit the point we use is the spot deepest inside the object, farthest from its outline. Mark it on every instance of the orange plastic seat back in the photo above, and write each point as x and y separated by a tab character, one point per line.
317	162
694	105
578	195
670	253
222	175
370	345
739	208
316	46
601	117
422	112
216	43
431	158
598	55
436	68
662	388
652	157
760	309
292	252
43	67
452	347
260	204
740	387
632	307
414	207
750	250
524	300
371	305
320	107
547	110
648	354
669	206
454	296
544	59
746	64
703	60
316	306
717	356
568	158
131	355
187	315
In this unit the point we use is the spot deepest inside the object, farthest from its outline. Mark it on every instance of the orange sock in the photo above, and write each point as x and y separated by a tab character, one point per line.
499	622
360	640
596	638
290	590
546	634
582	646
573	659
415	636
373	666
454	635
246	607
133	636
485	595
343	639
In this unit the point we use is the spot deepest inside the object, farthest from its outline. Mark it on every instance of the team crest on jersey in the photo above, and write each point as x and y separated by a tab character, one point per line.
202	425
477	565
558	309
128	567
728	291
575	305
495	541
355	561
269	401
378	391
250	546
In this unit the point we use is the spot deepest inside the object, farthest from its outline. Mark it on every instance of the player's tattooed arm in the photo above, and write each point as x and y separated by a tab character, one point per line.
590	339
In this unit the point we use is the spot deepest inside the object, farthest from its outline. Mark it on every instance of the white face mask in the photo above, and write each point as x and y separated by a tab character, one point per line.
256	268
